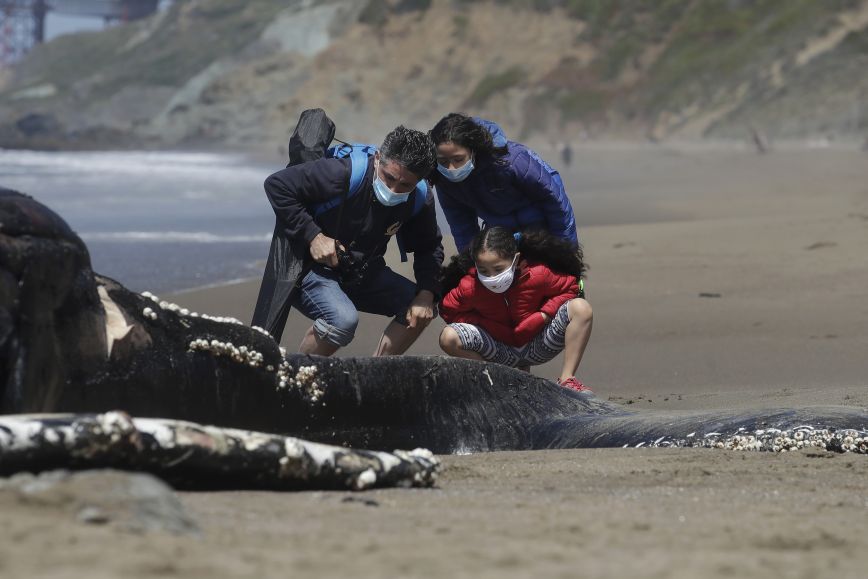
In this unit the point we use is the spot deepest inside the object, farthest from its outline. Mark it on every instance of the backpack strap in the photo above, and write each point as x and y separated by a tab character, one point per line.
359	164
358	168
421	197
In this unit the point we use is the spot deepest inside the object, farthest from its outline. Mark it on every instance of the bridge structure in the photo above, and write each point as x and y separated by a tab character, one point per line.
22	22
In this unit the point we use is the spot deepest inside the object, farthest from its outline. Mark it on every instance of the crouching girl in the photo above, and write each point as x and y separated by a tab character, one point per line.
515	299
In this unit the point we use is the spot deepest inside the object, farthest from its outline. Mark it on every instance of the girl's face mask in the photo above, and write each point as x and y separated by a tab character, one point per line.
501	282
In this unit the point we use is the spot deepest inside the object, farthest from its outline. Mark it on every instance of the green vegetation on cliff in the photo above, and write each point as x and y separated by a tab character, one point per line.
626	66
184	41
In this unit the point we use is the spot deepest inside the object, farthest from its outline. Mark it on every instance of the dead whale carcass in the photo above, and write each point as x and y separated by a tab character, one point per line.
68	336
108	347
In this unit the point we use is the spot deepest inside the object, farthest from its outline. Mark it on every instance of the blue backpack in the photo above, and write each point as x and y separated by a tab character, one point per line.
312	139
359	153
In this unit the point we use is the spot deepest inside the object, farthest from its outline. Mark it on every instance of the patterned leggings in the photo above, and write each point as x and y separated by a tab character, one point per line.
544	346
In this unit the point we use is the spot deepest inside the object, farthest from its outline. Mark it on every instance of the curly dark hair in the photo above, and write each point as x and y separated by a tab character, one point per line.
538	245
411	149
462	130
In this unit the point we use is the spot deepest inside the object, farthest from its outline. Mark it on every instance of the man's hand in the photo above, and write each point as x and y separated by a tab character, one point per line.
421	310
323	250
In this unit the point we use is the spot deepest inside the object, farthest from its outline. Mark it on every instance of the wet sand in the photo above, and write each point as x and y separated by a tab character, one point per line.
719	279
615	513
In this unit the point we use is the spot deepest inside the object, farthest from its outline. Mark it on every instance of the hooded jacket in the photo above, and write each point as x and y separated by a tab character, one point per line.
519	191
512	317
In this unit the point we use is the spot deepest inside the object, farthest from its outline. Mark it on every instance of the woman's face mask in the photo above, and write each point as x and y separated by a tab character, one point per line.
500	282
459	174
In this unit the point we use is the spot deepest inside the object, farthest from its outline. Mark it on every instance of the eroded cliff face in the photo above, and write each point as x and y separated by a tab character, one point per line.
215	73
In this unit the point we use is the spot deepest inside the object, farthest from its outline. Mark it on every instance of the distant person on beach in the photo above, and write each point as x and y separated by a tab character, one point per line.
566	154
483	176
516	299
346	236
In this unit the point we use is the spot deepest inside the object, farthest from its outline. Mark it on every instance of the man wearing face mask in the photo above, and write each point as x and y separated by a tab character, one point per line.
483	176
347	236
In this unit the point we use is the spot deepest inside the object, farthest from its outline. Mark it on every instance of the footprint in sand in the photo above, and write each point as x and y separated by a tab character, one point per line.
821	244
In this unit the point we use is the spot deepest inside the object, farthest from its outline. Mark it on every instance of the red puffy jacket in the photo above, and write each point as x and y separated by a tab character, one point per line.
512	317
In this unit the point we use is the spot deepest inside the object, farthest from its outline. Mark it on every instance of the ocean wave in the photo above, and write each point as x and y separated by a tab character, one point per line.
173	237
165	164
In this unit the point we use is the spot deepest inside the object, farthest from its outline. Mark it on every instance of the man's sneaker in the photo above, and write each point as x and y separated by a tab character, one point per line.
574	384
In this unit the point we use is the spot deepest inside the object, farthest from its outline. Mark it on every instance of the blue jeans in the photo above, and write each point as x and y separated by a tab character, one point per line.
335	309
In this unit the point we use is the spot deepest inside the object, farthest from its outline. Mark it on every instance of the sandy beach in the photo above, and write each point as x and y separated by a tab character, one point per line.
719	278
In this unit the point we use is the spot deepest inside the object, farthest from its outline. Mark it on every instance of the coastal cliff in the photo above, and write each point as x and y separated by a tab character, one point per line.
225	74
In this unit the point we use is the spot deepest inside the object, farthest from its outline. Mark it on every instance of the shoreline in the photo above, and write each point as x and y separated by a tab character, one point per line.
172	294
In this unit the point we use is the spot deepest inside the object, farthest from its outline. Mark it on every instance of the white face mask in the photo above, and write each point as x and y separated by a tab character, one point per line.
385	195
459	174
499	283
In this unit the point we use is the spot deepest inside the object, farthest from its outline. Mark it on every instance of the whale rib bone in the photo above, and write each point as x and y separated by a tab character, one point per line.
190	455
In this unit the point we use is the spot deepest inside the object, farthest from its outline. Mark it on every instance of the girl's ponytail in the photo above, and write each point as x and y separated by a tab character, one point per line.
559	254
457	268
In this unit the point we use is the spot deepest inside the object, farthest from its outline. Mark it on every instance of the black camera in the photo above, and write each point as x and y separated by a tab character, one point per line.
351	271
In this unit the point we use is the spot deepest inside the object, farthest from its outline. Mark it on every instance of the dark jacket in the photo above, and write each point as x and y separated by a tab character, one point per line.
365	228
512	317
518	191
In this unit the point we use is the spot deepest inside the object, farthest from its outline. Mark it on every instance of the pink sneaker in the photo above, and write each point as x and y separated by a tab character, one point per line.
573	384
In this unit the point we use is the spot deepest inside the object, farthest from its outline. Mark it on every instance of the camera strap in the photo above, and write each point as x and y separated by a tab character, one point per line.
344	198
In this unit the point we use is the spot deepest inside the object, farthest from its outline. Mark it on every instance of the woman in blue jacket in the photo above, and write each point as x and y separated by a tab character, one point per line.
482	175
